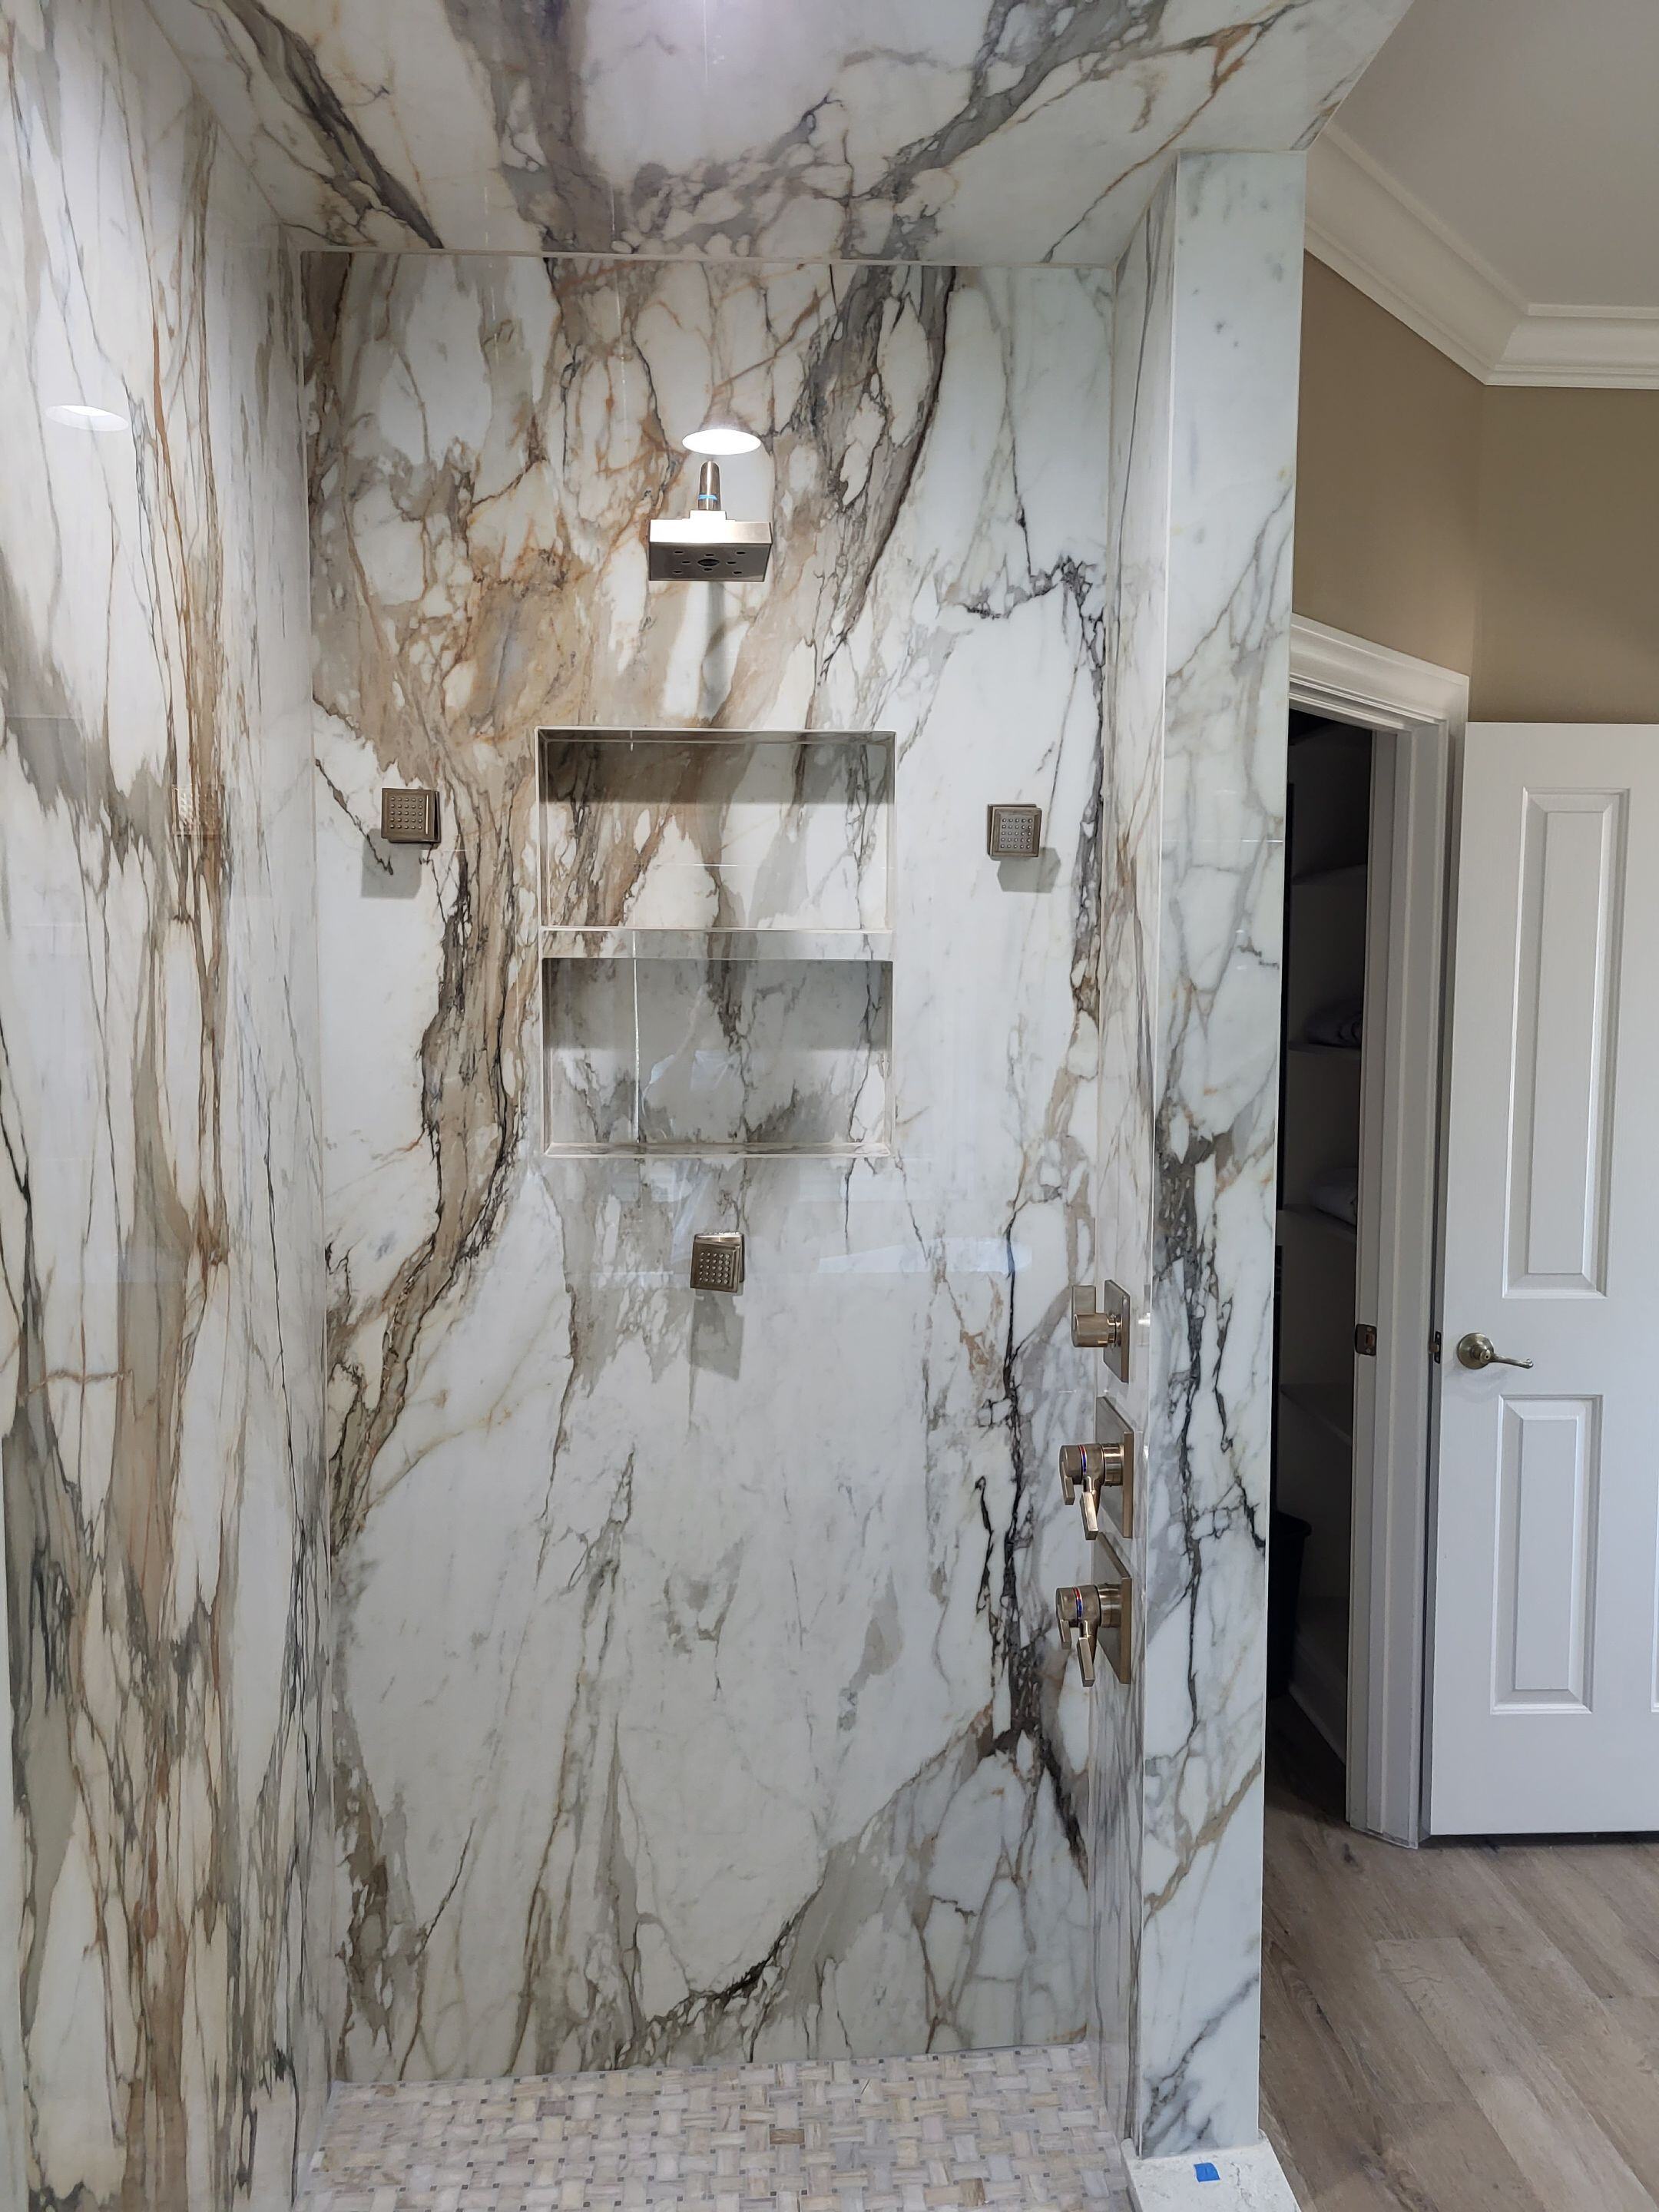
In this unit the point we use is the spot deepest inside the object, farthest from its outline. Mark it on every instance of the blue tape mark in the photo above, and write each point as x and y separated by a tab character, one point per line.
1206	2171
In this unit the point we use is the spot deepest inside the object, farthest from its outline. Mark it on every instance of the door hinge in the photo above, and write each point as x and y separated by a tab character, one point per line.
1434	1347
1364	1339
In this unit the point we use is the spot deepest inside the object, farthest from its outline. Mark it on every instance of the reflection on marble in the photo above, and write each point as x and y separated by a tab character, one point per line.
943	130
697	1688
1203	394
747	833
161	1210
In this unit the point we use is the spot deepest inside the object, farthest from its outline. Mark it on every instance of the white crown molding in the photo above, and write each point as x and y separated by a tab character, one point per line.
1384	241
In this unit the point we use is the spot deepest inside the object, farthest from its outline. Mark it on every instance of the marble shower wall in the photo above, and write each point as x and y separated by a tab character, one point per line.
697	1693
1204	384
162	2038
941	130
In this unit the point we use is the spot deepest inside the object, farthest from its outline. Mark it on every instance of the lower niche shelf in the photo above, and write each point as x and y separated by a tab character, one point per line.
664	1041
723	946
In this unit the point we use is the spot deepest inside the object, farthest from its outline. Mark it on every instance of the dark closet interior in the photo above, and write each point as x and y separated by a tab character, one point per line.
1328	832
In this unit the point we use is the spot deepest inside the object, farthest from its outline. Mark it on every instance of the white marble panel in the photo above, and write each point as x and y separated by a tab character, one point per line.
161	2026
1204	381
698	1692
944	130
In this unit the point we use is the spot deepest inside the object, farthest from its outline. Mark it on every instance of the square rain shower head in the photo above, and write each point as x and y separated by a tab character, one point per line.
709	549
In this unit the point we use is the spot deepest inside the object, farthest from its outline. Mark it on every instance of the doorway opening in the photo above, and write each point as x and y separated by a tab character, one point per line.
1370	746
1318	1328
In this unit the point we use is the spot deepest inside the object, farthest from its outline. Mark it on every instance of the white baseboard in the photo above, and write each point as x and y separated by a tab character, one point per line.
1250	2180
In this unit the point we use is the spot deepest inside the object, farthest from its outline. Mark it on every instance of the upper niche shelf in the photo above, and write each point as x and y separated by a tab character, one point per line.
680	844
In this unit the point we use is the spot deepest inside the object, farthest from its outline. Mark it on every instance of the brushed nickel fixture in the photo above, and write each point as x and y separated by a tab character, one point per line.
1087	1612
1087	1472
717	1261
1013	833
409	817
1477	1352
1104	1328
706	547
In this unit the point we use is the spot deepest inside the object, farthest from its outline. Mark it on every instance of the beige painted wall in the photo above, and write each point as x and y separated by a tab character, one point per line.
1513	534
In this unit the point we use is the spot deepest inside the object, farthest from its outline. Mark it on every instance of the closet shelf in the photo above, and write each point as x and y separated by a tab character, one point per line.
713	945
1330	1410
1349	872
1320	1219
1320	1050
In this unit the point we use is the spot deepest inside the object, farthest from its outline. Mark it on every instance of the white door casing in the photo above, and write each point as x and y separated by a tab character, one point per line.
1544	1703
1417	714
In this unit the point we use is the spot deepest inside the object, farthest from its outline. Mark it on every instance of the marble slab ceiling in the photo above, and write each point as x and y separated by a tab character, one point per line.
947	130
697	1693
164	1874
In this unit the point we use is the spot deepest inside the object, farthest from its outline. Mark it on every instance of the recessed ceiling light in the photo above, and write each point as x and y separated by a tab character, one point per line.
721	439
77	418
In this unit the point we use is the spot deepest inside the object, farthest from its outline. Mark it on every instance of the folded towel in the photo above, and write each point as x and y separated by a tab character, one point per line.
1339	1023
1337	1193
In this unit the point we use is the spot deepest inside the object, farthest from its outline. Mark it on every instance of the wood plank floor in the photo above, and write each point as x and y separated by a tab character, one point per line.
1457	2029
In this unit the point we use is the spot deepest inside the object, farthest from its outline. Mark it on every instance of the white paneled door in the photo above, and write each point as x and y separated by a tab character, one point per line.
1544	1707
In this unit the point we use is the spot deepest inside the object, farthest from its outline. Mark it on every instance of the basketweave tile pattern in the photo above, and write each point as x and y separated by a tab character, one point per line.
1015	2128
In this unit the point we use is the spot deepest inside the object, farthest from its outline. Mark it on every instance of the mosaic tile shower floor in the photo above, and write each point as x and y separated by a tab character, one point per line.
1012	2128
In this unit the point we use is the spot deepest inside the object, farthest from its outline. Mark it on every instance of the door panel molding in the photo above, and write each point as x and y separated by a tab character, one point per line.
1566	993
1543	1619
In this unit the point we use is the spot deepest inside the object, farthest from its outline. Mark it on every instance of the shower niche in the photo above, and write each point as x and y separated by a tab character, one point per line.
716	940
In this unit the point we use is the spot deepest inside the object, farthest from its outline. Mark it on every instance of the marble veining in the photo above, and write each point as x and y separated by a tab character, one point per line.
714	1054
1204	368
943	130
746	832
164	1874
698	1696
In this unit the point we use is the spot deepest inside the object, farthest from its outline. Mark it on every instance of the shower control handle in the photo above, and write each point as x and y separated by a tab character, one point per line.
1087	1469
1103	1327
1084	1612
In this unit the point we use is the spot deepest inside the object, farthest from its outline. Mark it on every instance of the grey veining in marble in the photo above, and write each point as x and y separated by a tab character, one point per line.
1204	398
697	1688
945	131
162	2036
